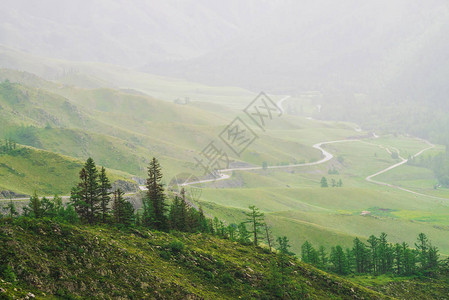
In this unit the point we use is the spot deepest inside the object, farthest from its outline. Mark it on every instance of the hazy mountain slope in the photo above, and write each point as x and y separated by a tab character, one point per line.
121	129
123	32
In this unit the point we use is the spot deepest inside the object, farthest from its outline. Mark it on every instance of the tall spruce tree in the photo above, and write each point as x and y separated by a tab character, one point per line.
85	196
339	260
123	211
373	245
93	198
156	196
255	219
104	193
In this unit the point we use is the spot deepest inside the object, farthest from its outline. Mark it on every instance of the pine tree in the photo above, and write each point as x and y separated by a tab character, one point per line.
383	253
322	255
34	208
156	196
10	209
243	234
373	245
333	182
432	260
409	259
256	220
360	256
323	182
398	258
85	196
180	217
339	260
283	246
123	211
93	199
104	194
48	208
422	245
231	231
268	236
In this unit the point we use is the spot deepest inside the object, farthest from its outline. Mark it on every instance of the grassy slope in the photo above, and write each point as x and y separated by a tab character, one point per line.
51	258
27	169
297	206
121	129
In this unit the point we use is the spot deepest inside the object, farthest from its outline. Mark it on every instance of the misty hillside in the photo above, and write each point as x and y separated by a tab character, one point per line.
288	46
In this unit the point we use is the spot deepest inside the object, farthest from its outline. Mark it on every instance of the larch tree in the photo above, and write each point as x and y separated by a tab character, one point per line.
255	219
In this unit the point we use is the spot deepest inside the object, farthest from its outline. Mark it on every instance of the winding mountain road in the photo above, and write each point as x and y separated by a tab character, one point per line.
223	174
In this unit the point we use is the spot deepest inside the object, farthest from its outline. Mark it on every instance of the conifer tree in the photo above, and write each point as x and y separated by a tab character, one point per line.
322	255
398	258
85	196
243	234
93	199
283	245
323	182
123	211
231	231
34	208
104	193
10	209
361	258
309	254
180	217
339	260
422	245
269	236
373	244
255	219
156	196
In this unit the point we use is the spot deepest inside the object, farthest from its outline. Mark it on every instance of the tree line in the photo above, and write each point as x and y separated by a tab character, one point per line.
92	201
7	146
377	256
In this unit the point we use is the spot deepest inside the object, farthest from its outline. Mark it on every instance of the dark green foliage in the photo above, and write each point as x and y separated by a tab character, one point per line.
255	219
86	196
323	182
243	234
7	273
123	211
176	247
8	147
378	257
283	246
104	194
339	260
34	208
156	203
309	254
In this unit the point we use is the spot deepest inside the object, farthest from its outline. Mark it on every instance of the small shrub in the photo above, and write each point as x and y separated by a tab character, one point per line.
7	273
227	279
165	254
176	247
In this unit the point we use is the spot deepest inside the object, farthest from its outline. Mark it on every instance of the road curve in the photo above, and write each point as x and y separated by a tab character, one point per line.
403	161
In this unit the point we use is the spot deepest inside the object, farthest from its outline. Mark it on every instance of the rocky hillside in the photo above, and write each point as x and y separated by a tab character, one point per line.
44	259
